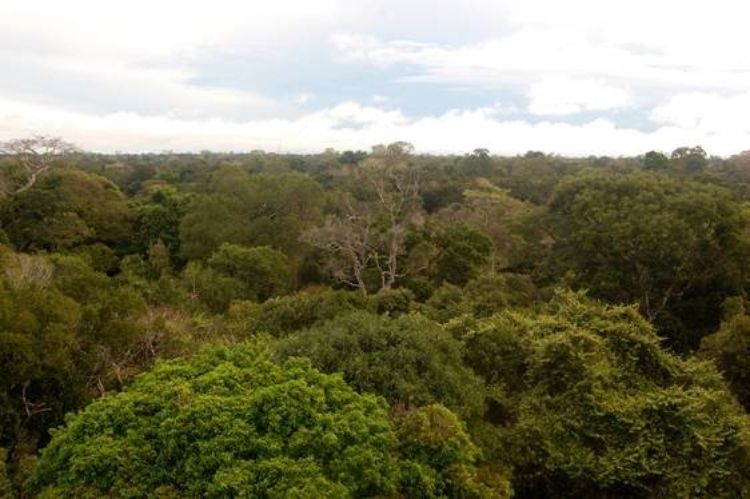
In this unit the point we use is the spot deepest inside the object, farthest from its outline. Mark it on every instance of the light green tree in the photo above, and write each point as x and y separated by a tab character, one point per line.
589	404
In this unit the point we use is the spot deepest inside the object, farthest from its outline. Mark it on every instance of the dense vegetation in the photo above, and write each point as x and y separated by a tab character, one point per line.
354	324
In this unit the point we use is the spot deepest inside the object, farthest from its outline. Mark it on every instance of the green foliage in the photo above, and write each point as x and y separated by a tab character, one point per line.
238	273
442	457
689	160
655	161
598	408
410	360
534	176
213	288
570	398
6	490
729	348
227	423
463	251
285	314
492	293
100	257
265	272
392	301
258	210
499	215
482	297
158	219
66	332
66	209
653	240
39	378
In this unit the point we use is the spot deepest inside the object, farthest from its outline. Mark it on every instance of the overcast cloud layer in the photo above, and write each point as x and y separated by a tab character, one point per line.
576	77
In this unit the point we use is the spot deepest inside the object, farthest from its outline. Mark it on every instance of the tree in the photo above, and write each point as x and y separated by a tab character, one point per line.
373	219
479	163
434	436
655	161
158	219
231	423
40	379
264	271
463	251
396	183
409	360
257	210
689	160
65	209
348	241
283	315
650	239
212	288
591	405
729	349
352	157
228	422
494	211
36	155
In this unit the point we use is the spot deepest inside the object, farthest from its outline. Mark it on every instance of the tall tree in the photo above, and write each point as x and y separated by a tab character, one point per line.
650	239
372	220
36	155
254	210
496	212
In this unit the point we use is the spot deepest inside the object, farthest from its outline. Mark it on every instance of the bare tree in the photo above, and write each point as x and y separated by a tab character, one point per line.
372	233
36	155
347	238
396	183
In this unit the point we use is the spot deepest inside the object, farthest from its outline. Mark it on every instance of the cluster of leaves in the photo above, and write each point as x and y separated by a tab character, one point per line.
231	423
410	360
592	405
653	240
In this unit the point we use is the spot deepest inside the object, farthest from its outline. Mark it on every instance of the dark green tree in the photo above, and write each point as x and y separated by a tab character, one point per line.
258	210
653	240
65	209
158	219
463	252
410	360
264	271
689	160
729	349
655	161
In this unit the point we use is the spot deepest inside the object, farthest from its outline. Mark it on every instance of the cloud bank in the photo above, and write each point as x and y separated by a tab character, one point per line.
574	78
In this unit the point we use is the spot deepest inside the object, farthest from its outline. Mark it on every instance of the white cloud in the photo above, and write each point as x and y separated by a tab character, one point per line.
566	96
352	112
304	98
353	126
707	112
123	76
523	55
642	44
135	56
145	28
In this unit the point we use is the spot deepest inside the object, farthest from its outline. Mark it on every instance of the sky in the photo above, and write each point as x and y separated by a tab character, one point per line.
573	77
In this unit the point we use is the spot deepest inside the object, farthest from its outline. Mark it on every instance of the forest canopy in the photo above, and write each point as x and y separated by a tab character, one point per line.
375	323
